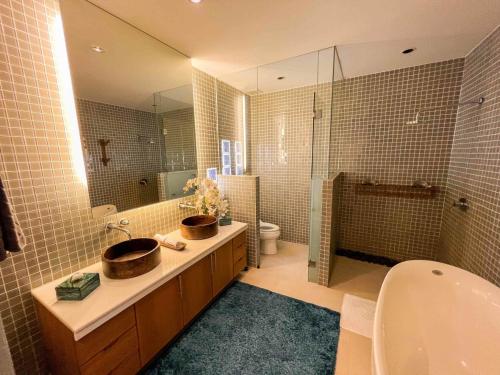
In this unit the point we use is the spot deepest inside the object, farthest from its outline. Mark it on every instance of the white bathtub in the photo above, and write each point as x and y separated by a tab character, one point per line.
432	324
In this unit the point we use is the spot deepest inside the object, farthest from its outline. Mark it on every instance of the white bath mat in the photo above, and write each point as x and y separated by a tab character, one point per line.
357	315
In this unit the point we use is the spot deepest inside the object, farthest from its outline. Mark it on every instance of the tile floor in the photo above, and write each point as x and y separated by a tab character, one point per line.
286	273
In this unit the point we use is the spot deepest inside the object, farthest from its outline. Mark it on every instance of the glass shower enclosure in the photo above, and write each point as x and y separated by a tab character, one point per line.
328	71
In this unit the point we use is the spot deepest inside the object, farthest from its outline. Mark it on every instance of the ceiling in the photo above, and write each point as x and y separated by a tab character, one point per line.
133	67
227	36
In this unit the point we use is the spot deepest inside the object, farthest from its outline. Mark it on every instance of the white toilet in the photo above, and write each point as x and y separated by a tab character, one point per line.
269	233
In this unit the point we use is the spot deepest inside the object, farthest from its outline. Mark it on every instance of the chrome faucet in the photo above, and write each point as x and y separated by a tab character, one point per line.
120	227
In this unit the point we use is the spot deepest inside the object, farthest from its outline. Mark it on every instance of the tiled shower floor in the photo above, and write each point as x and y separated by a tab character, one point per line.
286	273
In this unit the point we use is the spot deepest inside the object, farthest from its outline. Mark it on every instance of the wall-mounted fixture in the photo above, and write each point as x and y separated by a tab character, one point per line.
103	143
479	101
144	182
120	227
415	121
143	138
462	203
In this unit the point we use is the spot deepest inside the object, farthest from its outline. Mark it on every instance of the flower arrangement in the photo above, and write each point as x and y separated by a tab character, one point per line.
207	197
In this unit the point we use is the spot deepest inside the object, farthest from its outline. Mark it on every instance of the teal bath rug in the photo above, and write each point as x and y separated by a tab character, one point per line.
249	330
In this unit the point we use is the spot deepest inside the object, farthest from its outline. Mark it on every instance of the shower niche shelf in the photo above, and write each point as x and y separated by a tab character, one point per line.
400	191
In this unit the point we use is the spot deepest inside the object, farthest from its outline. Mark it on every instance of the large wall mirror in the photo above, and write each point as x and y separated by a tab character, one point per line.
134	101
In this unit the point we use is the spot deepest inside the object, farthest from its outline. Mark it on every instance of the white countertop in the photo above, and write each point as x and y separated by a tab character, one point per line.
114	296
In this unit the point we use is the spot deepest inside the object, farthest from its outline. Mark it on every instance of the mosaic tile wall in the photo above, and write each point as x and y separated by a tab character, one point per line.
6	365
330	209
370	139
230	116
133	156
180	139
205	117
218	115
242	192
471	239
280	154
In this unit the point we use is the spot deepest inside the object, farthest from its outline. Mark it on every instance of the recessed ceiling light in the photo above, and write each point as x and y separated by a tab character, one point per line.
280	78
408	50
98	49
196	1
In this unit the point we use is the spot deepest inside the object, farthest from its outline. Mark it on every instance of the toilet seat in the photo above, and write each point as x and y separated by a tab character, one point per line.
268	227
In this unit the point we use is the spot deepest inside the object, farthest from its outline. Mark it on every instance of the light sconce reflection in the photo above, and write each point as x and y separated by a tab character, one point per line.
244	117
61	62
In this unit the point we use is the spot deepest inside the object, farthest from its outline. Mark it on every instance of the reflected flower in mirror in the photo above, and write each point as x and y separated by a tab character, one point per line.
207	198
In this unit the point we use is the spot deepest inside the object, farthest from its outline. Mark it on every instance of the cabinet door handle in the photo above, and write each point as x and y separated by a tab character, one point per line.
180	285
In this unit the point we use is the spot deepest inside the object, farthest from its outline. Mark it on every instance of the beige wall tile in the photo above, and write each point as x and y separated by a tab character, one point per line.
370	138
471	239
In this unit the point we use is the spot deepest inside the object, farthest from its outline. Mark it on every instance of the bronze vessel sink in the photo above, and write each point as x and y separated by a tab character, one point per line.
199	227
131	258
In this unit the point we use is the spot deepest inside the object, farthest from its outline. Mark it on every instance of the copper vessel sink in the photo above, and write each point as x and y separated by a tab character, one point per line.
131	258
199	227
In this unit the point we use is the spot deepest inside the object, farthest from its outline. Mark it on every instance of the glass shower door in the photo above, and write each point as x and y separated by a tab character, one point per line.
320	154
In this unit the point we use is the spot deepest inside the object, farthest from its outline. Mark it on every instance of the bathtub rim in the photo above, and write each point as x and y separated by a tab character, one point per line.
379	363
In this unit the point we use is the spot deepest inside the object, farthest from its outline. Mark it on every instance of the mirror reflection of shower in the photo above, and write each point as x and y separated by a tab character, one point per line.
175	116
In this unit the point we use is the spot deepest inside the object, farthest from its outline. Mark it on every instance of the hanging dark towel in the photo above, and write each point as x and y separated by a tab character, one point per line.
11	236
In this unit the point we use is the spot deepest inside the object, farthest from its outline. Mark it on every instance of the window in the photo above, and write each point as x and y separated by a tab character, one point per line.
226	157
212	173
238	158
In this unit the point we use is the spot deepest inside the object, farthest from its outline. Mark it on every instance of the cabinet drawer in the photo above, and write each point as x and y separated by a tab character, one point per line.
240	239
131	365
119	357
240	265
239	252
103	336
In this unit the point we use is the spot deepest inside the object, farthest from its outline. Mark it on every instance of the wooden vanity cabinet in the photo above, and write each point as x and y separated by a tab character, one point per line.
196	288
112	348
131	339
159	319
